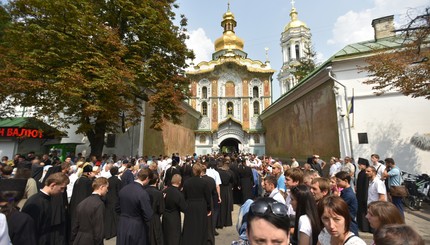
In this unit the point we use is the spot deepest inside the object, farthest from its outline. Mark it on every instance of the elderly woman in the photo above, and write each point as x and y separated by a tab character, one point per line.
336	219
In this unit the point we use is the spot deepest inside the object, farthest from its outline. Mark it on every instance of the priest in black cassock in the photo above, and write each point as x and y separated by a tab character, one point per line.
198	198
157	203
81	190
361	193
214	202
89	226
136	212
174	204
111	217
39	206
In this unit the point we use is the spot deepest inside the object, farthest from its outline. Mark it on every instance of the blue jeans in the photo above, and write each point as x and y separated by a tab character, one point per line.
397	201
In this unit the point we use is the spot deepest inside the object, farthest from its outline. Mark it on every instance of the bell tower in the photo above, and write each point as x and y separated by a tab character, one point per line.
295	44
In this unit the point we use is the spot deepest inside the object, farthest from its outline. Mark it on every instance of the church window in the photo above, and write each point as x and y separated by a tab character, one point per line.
289	52
202	139
297	52
255	92
229	89
205	109
256	108
256	139
230	108
204	93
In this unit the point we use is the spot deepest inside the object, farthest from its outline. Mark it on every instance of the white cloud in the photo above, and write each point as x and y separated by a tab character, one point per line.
202	46
356	26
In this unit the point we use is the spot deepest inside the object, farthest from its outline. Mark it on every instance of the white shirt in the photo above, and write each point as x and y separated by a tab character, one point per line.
376	187
275	194
380	168
4	232
305	227
214	175
325	239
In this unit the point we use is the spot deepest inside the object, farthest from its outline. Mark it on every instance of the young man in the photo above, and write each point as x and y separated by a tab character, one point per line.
39	206
394	176
136	211
320	187
174	204
293	178
377	190
89	225
270	186
343	180
379	167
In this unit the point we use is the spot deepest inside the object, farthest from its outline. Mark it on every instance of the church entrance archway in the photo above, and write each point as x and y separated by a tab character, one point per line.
229	145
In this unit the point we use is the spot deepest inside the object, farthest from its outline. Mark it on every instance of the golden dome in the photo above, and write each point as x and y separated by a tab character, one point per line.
295	22
229	40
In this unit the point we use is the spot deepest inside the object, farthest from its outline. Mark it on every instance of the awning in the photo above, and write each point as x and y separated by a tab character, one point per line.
28	127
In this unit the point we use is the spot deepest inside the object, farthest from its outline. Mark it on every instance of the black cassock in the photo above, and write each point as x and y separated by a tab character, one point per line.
136	212
111	217
81	190
226	206
88	227
198	198
169	174
214	201
246	181
157	203
39	208
174	204
21	229
362	190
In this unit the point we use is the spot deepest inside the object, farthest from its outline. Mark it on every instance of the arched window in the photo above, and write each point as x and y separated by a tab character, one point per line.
297	52
202	139
230	108
204	93
256	139
205	109
255	92
229	89
256	108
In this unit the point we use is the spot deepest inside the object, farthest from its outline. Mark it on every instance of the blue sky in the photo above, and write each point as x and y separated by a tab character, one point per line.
333	24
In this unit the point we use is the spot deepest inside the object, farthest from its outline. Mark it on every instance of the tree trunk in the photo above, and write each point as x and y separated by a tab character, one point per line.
96	136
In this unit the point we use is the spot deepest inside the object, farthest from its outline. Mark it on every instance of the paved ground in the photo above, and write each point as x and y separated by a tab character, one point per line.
419	220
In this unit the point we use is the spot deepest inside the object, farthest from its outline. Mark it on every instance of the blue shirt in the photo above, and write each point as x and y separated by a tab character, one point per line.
395	177
281	183
349	197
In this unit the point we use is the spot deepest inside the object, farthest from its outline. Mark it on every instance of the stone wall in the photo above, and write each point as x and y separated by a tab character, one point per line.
173	137
305	126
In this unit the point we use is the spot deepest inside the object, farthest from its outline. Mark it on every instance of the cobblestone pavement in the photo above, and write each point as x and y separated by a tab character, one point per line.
419	220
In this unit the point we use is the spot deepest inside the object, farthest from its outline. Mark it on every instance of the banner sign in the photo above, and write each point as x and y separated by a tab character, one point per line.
21	133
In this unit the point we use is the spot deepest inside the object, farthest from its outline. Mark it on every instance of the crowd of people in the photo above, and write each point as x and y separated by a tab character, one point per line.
140	200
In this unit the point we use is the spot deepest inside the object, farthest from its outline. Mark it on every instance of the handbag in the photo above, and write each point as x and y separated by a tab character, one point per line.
399	191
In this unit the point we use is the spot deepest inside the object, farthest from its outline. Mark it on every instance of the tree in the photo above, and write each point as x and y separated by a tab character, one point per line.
306	65
407	68
92	63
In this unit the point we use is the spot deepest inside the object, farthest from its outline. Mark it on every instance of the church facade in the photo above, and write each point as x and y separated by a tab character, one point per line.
230	91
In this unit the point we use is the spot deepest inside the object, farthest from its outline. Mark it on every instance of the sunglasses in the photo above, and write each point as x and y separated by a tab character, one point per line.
262	207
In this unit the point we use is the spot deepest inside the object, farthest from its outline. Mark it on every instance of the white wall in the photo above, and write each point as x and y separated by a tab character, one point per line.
390	120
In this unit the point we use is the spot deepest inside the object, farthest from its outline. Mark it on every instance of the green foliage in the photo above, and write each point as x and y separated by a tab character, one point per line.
306	65
406	69
93	61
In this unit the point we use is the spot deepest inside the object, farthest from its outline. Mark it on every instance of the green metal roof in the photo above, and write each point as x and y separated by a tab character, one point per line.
370	46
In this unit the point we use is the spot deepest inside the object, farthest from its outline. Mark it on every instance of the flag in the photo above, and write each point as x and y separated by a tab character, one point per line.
351	106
